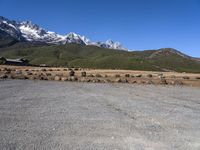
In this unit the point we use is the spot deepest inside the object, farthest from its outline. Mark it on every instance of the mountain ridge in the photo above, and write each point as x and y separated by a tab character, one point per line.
27	31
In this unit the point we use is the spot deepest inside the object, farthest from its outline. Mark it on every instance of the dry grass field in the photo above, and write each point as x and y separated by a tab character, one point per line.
99	76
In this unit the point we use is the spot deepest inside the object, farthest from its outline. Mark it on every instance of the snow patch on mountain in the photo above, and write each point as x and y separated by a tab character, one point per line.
28	33
9	24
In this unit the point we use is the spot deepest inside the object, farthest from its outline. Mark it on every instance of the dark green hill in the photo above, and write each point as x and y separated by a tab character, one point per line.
6	39
74	55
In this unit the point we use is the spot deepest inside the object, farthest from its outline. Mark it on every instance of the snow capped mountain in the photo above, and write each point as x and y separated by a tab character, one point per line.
10	28
112	45
32	32
27	31
75	38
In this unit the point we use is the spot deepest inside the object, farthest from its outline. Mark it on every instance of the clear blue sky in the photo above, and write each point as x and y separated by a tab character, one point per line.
138	24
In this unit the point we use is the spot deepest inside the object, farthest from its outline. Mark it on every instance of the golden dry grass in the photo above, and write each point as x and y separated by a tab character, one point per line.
190	79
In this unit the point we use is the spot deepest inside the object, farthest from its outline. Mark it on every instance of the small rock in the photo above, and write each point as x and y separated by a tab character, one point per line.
117	75
64	79
149	75
90	75
3	76
32	78
71	72
118	80
98	75
76	69
8	71
82	80
186	77
59	74
161	77
12	77
163	81
124	81
18	72
96	80
48	74
83	74
149	82
72	78
22	77
13	69
3	69
133	76
57	78
28	73
160	74
198	78
43	69
177	82
139	76
134	82
105	75
104	81
142	82
88	80
43	78
127	75
173	76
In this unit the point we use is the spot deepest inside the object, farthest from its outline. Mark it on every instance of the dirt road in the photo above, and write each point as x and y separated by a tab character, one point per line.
87	116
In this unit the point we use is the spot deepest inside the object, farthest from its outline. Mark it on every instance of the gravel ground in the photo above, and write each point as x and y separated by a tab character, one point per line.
44	115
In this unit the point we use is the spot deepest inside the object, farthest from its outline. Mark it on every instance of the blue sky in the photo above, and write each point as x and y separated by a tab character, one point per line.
138	24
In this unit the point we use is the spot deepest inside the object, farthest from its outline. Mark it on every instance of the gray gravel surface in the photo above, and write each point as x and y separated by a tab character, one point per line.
43	115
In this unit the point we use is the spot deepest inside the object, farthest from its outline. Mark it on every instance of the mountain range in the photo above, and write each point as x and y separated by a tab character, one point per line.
27	31
39	46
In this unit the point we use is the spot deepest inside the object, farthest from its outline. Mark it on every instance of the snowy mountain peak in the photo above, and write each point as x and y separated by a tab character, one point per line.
114	45
28	31
109	42
29	24
10	27
31	32
72	34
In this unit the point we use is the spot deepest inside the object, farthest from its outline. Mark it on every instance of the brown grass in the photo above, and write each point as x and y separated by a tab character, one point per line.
130	76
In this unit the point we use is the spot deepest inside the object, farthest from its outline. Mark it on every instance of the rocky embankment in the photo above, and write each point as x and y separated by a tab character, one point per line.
85	75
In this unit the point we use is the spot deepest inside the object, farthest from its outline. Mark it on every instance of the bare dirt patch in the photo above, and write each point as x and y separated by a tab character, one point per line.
72	115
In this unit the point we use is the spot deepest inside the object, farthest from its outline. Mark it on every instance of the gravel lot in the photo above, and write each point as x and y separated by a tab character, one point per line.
45	115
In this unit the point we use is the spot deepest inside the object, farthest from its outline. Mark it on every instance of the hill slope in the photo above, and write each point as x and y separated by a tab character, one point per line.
6	39
75	55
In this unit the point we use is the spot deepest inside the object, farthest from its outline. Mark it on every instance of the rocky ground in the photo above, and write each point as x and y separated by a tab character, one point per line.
72	115
99	76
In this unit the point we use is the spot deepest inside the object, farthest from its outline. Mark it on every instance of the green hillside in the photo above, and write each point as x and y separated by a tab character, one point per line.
74	55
